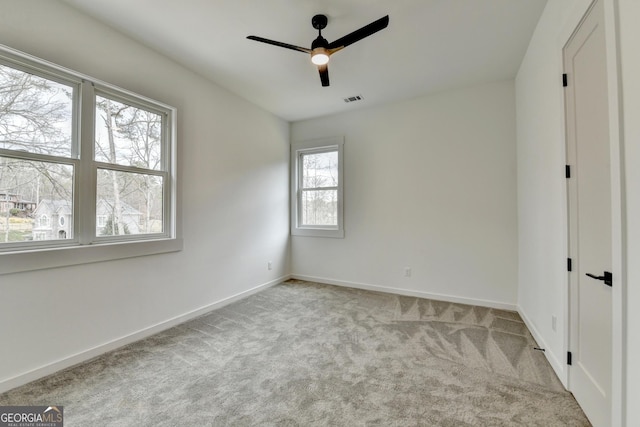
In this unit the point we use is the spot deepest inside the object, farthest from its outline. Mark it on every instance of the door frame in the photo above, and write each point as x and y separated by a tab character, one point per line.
618	220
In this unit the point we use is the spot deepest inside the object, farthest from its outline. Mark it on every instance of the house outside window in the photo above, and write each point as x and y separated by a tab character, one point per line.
317	188
127	143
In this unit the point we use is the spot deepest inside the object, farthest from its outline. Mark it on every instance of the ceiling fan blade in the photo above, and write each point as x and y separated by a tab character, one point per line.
275	43
363	32
324	74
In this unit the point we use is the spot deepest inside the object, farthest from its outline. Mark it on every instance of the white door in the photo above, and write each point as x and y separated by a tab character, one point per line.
589	190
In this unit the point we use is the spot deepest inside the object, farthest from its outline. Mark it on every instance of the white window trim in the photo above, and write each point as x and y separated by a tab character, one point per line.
304	147
78	250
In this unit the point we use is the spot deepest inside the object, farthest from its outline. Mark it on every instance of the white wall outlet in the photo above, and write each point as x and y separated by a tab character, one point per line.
407	272
554	323
269	265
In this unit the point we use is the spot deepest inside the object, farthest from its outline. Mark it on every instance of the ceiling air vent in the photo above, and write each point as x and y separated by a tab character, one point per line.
353	98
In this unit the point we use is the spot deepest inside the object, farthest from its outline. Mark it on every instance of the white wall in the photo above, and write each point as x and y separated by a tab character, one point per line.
233	187
429	184
542	212
629	13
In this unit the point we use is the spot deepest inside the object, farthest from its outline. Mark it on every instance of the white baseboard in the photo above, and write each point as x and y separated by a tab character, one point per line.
558	367
83	356
411	293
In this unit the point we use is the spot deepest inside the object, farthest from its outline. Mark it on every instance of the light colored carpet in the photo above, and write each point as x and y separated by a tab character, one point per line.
305	354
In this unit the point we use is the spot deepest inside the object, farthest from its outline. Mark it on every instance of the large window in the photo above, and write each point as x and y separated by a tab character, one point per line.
81	162
317	188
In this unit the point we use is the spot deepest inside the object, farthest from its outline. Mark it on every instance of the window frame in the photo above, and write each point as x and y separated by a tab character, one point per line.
299	149
34	255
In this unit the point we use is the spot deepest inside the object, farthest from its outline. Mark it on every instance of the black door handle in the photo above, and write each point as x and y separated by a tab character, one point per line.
607	278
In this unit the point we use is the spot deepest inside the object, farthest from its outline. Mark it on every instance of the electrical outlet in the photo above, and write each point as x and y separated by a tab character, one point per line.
270	266
407	272
554	323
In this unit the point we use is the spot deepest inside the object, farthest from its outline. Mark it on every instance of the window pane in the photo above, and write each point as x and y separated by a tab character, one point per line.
320	170
320	207
36	114
36	200
128	203
127	135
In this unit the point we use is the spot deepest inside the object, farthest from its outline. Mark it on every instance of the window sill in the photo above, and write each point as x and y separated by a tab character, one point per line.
317	232
16	262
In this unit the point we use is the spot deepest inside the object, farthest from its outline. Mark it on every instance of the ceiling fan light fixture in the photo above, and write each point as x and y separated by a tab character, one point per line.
320	56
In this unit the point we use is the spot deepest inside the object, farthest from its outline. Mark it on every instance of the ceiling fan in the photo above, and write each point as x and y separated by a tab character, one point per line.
321	49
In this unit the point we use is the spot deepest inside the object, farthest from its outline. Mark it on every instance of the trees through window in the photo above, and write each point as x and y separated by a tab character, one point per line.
61	184
130	183
317	188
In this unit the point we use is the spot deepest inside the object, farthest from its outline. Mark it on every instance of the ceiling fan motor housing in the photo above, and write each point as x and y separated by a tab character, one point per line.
319	42
319	22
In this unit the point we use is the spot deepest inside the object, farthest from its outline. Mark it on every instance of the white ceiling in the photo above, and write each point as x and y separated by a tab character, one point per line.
429	45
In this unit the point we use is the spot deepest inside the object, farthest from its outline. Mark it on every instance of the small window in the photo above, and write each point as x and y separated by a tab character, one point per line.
317	184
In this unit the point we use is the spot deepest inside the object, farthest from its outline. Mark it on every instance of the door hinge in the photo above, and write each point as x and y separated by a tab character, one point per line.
565	80
568	358
567	171
569	265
